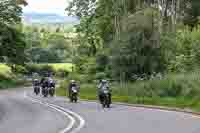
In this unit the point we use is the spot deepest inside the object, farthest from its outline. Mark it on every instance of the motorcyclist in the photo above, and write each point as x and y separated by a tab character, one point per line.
36	82
42	81
72	84
51	82
103	85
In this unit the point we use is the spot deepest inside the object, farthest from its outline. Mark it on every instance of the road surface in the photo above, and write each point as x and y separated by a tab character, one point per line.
26	113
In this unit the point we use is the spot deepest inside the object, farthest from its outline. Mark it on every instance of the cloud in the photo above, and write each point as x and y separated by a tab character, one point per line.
46	6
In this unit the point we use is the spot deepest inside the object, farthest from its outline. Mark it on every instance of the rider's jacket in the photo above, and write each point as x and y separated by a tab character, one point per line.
36	83
73	85
51	82
102	87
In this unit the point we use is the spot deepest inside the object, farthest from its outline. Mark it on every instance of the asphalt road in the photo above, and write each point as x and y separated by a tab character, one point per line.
21	113
18	115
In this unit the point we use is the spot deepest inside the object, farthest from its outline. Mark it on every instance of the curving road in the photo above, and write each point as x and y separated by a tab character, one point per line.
26	113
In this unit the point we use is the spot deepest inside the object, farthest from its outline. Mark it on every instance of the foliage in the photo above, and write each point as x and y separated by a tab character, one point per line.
59	69
100	76
8	78
182	55
5	72
137	51
169	91
12	44
10	12
46	45
137	36
62	73
40	55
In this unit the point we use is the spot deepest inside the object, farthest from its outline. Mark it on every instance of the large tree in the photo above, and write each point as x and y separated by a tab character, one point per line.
12	44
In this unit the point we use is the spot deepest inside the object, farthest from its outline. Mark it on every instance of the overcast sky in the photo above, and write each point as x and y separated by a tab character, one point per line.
46	6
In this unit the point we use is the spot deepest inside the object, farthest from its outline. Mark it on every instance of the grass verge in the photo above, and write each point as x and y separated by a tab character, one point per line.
9	79
181	91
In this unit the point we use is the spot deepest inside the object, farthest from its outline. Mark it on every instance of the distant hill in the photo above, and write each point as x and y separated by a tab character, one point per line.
44	18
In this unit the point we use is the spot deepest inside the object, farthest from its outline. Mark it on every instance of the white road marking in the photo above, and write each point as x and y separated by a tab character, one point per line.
82	121
64	111
185	114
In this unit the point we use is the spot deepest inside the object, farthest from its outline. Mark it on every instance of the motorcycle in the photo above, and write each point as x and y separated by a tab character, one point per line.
106	99
45	91
52	91
74	95
37	90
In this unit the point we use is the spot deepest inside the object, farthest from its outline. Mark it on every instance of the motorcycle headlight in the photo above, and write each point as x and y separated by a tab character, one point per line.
106	91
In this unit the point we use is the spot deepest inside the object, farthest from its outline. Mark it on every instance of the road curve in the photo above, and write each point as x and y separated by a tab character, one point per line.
18	115
118	119
128	119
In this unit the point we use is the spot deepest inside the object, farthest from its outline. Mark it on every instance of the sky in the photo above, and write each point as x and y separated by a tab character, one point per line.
46	6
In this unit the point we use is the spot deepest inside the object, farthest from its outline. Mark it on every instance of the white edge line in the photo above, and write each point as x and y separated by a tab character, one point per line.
82	121
188	114
69	127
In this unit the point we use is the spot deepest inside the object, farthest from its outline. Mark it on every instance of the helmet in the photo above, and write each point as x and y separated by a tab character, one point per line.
72	81
51	80
36	80
104	81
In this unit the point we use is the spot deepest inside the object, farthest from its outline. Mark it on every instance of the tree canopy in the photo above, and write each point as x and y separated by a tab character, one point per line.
12	42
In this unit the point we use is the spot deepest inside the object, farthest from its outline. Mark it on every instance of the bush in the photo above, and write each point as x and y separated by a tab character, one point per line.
62	73
20	69
5	72
62	90
74	76
80	63
32	69
40	69
100	75
44	69
102	62
87	78
183	54
171	86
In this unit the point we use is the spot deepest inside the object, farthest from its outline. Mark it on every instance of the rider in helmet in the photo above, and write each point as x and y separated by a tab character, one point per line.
103	84
51	82
36	82
72	84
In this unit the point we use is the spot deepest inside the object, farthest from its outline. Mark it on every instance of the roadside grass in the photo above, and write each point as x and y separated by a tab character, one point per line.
5	84
175	90
9	79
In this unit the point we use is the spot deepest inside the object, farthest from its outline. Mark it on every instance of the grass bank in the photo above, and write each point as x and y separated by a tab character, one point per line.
9	79
175	90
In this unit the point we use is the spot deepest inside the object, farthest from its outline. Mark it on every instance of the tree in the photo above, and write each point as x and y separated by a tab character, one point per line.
10	12
131	32
12	43
192	12
22	2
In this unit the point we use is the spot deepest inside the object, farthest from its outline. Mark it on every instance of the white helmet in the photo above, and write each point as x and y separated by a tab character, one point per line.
72	81
104	81
36	80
